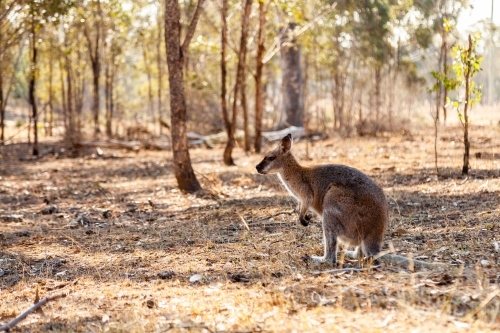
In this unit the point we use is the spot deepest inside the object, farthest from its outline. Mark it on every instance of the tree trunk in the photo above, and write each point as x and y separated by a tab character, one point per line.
51	95
445	71
378	75
32	85
150	86
240	73
259	93
95	96
183	170
291	75
467	73
63	95
109	74
2	107
228	160
70	131
159	64
244	107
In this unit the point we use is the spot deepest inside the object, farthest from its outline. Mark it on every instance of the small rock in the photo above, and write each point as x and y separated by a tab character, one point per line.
50	210
12	218
465	299
166	275
150	303
22	233
82	220
107	214
239	277
486	263
195	278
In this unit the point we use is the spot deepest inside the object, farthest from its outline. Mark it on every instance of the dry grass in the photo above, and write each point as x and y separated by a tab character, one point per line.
125	243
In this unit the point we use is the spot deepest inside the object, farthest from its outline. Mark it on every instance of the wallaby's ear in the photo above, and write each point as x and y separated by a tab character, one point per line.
286	144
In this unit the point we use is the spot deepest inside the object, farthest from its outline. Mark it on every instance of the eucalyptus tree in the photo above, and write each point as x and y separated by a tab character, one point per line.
12	33
176	55
92	18
39	14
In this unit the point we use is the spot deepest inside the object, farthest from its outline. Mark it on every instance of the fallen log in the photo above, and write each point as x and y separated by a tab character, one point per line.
131	145
296	132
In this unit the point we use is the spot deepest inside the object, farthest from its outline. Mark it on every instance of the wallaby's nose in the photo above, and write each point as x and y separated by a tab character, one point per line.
259	167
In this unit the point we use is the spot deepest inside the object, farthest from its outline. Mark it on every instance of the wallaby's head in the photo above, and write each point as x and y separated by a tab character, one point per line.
274	160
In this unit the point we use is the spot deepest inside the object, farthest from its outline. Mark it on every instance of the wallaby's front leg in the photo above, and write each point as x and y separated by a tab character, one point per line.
303	217
330	234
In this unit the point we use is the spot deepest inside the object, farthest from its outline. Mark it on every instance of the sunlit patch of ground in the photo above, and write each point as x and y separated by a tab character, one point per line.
133	254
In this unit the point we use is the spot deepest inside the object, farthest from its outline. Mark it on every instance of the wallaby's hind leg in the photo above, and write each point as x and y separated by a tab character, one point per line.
330	234
371	246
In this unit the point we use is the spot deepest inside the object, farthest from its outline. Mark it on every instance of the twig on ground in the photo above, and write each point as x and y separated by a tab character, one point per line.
291	212
244	222
339	270
23	315
483	304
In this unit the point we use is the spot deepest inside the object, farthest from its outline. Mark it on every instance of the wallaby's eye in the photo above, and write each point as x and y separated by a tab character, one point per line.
271	158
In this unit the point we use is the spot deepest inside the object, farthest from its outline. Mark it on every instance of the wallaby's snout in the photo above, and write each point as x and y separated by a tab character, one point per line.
260	168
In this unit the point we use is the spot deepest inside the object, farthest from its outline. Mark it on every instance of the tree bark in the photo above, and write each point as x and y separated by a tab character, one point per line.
467	73
51	94
240	76
150	85
291	74
159	63
32	86
225	114
259	93
445	71
95	59
176	52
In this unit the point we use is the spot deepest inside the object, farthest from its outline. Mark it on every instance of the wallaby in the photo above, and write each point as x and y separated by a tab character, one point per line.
353	208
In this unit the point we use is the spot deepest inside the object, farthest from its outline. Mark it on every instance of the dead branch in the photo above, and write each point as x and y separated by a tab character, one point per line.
344	270
132	145
296	132
23	315
394	259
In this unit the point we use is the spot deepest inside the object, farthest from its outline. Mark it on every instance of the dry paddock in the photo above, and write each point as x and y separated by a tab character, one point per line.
133	254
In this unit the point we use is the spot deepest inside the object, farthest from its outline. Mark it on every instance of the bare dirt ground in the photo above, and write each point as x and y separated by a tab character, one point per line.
133	254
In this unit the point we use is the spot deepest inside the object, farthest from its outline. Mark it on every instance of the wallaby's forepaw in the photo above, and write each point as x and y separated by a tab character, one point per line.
304	220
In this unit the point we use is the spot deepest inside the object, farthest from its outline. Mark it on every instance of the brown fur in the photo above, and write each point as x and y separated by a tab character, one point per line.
352	206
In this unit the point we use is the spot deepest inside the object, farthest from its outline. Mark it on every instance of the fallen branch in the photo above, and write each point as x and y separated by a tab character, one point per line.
482	304
132	145
394	259
339	270
296	132
23	315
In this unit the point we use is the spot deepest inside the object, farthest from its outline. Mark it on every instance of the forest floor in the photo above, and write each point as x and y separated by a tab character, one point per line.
133	254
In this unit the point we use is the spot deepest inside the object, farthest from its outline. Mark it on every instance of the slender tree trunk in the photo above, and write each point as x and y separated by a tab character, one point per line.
63	96
240	73
445	71
292	85
51	94
108	91
465	168
225	113
244	107
2	106
259	93
32	86
70	131
183	170
150	86
159	64
377	95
